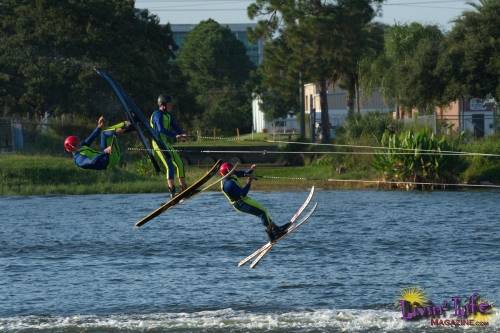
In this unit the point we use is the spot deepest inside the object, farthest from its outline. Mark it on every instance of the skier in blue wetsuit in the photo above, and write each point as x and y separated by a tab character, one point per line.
236	193
162	121
109	153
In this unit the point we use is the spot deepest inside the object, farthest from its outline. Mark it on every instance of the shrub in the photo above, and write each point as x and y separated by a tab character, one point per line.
483	168
372	125
411	157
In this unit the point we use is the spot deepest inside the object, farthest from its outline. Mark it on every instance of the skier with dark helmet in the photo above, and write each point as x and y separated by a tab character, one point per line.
109	153
236	193
163	122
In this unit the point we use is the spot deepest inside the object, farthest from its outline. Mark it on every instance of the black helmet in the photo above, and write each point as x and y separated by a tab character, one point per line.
164	99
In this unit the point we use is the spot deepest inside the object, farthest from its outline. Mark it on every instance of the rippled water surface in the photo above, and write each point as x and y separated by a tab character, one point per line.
76	264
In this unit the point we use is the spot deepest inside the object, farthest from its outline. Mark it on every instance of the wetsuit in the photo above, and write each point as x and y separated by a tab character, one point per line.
167	128
237	196
88	158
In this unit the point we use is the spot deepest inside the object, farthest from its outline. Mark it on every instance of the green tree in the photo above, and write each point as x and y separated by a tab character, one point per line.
368	44
320	34
471	62
48	49
218	70
279	81
422	86
405	72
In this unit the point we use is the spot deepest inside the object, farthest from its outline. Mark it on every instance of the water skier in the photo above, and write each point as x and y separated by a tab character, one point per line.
109	153
162	121
237	196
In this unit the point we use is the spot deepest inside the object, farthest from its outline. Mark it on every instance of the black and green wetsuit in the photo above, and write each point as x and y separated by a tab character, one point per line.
237	196
88	158
167	128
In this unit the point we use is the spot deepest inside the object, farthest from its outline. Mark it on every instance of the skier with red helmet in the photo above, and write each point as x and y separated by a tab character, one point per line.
109	153
236	193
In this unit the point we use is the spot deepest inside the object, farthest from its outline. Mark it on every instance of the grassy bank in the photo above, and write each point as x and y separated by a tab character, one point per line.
37	175
48	174
42	175
53	172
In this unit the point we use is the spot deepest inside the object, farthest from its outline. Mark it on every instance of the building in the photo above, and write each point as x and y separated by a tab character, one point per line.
255	51
337	111
337	105
473	115
287	125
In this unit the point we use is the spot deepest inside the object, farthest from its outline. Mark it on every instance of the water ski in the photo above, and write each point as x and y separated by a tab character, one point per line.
266	248
137	119
187	193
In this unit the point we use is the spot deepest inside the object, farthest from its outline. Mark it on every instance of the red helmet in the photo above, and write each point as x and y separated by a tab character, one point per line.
225	168
71	143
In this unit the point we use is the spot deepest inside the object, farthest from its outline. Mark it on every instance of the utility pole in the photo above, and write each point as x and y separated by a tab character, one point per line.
302	112
493	104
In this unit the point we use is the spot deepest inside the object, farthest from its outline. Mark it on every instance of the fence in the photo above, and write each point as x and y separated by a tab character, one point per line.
477	124
11	135
28	136
46	138
428	121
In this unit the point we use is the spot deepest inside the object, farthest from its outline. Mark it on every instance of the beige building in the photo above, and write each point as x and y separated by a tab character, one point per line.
469	115
337	104
337	110
472	115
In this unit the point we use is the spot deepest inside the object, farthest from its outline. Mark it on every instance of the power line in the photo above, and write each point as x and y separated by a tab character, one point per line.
423	2
187	6
378	182
410	150
384	148
383	182
273	152
184	5
187	1
199	10
432	7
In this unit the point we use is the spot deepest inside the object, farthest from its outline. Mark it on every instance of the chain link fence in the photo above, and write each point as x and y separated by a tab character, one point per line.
479	124
26	136
11	135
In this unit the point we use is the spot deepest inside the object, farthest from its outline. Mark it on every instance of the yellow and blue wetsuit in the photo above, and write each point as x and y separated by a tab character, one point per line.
88	158
164	124
237	196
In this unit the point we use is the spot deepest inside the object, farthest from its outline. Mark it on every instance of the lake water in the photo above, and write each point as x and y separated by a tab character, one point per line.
76	264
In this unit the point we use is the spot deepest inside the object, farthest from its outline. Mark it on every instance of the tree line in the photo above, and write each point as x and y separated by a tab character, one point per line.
339	43
48	49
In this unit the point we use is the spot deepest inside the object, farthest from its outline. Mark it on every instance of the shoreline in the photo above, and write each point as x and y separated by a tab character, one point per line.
259	185
140	188
23	175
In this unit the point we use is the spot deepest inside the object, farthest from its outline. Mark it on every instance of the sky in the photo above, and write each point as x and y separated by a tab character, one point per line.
440	12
